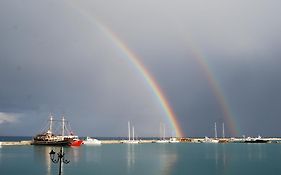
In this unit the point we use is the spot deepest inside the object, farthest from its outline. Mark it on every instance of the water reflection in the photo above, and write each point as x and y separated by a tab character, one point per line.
72	153
256	151
168	162
156	158
220	155
130	157
168	158
42	156
92	153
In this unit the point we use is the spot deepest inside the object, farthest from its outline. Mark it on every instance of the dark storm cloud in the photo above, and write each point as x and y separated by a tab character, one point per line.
54	58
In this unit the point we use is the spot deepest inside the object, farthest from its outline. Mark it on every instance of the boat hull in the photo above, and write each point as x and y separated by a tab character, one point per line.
256	141
76	143
51	143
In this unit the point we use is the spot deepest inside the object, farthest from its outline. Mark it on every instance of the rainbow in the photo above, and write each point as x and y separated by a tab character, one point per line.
135	61
218	92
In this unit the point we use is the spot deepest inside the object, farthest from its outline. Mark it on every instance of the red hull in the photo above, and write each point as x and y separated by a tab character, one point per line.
76	143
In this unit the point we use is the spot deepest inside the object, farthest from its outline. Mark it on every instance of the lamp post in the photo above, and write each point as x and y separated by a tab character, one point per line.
60	158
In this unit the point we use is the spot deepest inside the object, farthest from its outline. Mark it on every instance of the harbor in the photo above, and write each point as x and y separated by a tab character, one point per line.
150	141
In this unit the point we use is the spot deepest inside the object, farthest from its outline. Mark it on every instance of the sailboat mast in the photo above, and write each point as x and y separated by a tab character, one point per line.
223	134
216	135
164	133
51	123
160	131
133	133
62	130
129	132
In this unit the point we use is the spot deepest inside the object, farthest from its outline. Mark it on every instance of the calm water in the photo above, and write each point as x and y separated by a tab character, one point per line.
149	159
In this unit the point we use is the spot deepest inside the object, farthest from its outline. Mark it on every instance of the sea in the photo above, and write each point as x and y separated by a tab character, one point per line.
144	159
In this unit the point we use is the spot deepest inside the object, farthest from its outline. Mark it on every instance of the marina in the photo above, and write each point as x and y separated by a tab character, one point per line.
167	140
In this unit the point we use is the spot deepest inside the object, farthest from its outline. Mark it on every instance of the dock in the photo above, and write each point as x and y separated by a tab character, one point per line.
18	143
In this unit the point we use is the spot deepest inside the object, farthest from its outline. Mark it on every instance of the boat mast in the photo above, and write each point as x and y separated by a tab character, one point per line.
164	134
62	130
129	132
133	133
160	131
51	123
216	135
223	135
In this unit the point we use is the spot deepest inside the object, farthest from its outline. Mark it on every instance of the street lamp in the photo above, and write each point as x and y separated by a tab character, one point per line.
60	158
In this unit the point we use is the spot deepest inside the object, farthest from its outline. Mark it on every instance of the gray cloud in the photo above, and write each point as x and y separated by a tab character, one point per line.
54	58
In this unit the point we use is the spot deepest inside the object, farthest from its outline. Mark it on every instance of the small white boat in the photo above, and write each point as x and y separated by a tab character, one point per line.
174	140
131	141
210	140
91	141
162	141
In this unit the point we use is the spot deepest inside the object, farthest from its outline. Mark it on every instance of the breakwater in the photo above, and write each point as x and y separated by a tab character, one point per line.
16	143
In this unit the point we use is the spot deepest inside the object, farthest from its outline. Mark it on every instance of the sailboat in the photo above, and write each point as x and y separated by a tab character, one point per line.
49	138
65	130
129	141
210	140
162	139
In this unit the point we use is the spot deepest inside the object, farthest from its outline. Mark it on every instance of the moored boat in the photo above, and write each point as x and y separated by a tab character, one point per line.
209	140
162	141
255	140
162	134
173	140
49	138
91	141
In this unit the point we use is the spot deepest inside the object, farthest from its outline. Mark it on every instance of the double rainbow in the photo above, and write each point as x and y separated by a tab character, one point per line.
157	92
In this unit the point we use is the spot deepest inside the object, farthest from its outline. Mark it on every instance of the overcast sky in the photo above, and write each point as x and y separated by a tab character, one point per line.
54	58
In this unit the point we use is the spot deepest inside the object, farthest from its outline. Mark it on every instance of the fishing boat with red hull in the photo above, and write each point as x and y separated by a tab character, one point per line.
49	138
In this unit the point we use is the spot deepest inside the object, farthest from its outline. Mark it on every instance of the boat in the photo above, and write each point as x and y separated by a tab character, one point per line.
91	141
163	139
75	139
49	138
173	140
209	140
129	141
255	140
